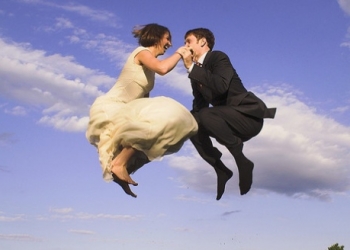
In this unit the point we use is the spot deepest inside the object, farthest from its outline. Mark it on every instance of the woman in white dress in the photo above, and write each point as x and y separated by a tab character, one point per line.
127	127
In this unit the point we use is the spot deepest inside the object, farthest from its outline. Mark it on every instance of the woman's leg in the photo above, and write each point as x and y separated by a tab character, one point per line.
120	163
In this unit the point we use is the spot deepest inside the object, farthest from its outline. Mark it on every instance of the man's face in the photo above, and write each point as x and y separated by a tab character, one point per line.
192	42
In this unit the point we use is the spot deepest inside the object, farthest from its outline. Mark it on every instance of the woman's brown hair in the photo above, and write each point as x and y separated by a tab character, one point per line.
150	34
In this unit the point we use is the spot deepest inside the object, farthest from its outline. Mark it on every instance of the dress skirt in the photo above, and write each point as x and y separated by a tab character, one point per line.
153	126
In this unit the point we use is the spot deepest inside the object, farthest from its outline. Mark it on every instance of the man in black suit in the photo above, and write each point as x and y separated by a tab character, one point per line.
223	108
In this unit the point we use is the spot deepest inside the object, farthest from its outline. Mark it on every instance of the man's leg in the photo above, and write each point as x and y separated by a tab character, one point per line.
211	155
230	128
245	168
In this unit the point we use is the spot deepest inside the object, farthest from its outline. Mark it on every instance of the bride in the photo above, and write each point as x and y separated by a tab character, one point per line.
127	127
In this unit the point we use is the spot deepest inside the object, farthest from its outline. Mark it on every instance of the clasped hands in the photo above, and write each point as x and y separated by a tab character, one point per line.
188	56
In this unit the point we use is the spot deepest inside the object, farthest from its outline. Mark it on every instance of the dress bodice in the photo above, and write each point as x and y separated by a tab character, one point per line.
134	81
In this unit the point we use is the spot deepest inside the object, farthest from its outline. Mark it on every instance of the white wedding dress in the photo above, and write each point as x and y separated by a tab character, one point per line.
123	117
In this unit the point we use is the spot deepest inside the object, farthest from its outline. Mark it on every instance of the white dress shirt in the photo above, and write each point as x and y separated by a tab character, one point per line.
200	60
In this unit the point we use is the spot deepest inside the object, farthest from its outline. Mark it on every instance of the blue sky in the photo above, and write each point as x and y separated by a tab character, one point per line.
56	57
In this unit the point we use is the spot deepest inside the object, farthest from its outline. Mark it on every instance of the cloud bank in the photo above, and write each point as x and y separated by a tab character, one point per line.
57	86
300	153
345	5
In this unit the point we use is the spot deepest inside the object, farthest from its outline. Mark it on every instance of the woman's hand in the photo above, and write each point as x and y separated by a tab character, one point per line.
187	55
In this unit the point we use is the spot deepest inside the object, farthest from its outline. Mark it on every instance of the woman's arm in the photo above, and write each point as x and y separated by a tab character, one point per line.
161	67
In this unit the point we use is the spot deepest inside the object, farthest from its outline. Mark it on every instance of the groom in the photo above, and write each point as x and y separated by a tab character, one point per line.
223	108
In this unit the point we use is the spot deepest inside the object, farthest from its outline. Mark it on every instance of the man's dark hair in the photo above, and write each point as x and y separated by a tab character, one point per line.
203	32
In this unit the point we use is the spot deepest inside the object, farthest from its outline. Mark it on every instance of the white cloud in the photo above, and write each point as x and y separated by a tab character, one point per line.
63	23
111	47
58	86
69	214
345	5
177	79
62	88
87	216
85	232
307	150
346	43
300	153
106	17
19	237
341	109
65	210
18	111
96	15
19	217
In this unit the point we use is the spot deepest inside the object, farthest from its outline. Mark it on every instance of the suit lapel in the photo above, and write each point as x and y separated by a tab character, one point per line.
206	59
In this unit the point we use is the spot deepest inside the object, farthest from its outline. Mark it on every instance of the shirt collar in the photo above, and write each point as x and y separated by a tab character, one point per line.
202	57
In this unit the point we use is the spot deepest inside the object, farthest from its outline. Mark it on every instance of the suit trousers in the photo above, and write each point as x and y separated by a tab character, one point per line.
227	125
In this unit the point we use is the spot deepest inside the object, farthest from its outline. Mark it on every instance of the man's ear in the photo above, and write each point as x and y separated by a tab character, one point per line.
203	42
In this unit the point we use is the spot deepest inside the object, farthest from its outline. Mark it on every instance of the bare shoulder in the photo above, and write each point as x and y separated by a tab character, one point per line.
143	56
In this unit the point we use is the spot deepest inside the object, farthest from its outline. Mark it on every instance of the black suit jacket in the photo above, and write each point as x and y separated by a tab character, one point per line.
216	82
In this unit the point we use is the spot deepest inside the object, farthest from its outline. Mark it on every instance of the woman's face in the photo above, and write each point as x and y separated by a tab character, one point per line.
164	44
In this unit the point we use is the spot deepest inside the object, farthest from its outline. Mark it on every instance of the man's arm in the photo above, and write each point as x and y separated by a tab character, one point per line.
216	75
198	101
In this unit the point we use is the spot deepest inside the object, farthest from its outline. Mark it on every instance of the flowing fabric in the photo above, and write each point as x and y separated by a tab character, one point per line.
123	117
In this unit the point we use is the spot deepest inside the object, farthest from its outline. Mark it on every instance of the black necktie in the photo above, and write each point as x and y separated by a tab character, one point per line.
198	64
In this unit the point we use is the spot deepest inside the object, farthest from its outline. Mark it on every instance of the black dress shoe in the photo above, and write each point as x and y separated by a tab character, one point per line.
223	175
245	168
245	176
